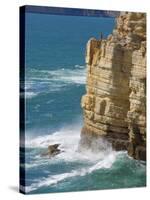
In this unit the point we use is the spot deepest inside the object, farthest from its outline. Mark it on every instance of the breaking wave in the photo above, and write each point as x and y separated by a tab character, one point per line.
41	81
69	138
54	179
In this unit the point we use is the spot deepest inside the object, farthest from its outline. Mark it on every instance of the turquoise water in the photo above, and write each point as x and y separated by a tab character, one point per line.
55	81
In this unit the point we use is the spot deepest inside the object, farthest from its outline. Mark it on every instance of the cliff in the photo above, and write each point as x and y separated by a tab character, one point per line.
114	106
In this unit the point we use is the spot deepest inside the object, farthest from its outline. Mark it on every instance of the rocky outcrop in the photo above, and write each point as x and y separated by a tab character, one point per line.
52	151
114	106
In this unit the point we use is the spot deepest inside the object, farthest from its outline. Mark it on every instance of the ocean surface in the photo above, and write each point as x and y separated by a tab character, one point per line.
55	76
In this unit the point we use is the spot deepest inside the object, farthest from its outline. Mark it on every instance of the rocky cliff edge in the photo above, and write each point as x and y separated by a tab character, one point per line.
114	106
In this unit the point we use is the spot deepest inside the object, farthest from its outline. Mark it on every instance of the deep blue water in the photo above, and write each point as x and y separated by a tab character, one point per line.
55	81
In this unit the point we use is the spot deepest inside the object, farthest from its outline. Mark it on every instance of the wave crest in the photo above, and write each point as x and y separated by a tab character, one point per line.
41	81
54	179
69	138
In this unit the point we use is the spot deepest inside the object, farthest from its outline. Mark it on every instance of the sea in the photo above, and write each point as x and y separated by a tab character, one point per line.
55	80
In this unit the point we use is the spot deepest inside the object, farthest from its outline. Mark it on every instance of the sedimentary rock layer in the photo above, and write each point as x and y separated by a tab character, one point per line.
114	106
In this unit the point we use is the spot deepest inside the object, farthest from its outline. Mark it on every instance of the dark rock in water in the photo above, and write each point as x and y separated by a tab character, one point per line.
119	144
140	153
137	152
52	150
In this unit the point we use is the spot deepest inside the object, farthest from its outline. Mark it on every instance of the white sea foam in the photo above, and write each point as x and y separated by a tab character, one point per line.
54	179
39	81
29	95
38	162
68	138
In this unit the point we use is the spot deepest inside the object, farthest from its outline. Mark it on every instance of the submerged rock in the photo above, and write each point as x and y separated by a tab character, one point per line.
114	106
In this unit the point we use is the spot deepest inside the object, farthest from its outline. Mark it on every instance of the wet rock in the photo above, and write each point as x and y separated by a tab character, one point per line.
137	152
53	150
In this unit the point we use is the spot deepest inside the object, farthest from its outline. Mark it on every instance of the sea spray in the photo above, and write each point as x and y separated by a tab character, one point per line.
54	85
101	155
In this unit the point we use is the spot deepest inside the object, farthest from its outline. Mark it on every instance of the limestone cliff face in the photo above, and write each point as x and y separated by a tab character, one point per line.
114	106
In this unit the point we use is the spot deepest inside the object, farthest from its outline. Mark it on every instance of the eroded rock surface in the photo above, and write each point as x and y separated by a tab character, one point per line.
114	106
